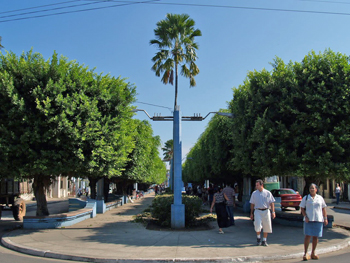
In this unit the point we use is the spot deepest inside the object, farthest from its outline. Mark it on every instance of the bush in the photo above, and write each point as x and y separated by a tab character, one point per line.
161	209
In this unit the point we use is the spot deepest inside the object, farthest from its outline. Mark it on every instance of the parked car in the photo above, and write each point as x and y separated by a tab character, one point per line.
289	198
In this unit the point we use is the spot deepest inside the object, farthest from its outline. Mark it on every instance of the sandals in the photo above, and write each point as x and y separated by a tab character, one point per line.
306	257
221	232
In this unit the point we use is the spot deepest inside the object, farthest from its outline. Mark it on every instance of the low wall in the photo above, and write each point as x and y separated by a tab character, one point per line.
79	210
291	219
114	204
61	220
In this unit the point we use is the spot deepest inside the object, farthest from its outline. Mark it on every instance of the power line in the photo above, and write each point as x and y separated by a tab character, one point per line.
185	4
324	1
28	8
155	105
256	8
56	8
81	10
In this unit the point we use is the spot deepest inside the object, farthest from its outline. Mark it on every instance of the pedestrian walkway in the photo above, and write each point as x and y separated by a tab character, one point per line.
113	237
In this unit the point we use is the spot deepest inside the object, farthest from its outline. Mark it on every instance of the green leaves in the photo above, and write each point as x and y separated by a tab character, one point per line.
144	164
175	37
59	117
294	119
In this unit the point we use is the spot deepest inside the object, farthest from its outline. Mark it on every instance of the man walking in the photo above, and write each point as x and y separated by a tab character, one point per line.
260	202
230	203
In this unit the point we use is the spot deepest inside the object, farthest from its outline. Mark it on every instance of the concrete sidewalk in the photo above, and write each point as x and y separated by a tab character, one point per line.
113	237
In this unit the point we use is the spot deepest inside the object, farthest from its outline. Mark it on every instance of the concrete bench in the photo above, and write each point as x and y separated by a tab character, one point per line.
61	220
114	204
291	219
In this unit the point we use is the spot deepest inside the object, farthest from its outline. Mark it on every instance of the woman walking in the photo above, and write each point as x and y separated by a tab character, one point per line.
337	193
313	208
220	208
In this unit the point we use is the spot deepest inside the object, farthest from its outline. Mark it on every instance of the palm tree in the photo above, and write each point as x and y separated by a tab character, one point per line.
168	150
1	46
175	41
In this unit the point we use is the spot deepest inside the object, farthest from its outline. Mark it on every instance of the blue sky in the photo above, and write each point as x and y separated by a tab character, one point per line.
237	37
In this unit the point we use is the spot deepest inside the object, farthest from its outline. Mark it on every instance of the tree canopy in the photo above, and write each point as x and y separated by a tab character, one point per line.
291	121
175	40
58	117
295	119
145	165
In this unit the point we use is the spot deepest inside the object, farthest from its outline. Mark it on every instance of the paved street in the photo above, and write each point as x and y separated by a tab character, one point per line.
8	223
113	236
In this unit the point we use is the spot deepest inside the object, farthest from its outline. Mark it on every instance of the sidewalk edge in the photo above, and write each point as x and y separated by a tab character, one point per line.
6	242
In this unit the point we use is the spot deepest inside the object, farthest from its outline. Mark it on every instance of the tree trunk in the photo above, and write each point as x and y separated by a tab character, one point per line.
39	186
106	182
308	181
92	183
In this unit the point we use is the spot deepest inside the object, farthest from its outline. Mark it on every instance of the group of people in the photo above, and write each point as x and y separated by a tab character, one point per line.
224	200
262	211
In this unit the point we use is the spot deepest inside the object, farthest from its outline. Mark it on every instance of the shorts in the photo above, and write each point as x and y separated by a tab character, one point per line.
262	220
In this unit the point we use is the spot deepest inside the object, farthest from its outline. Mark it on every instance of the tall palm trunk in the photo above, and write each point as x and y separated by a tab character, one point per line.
176	64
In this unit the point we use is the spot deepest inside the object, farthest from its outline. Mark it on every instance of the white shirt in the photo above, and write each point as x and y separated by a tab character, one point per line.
261	200
313	207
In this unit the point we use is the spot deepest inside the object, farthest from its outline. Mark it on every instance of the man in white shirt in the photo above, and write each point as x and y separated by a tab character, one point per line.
260	202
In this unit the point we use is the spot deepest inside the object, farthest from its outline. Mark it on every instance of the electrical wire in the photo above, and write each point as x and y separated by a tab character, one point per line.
56	8
155	105
81	10
156	2
28	8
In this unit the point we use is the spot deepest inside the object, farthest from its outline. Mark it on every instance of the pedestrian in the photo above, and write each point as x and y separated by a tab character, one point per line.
231	203
313	208
211	193
220	208
199	191
337	193
260	202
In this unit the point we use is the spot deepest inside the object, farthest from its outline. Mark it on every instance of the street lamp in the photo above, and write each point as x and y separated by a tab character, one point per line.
178	209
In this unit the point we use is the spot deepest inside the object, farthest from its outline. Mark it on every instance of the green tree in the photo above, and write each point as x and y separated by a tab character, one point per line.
143	165
1	46
60	118
175	38
210	157
295	119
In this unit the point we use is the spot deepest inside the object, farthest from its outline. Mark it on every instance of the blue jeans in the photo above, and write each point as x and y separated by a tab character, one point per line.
337	195
229	209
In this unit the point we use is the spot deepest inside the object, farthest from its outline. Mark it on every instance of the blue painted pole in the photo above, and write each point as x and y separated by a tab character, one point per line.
171	180
177	209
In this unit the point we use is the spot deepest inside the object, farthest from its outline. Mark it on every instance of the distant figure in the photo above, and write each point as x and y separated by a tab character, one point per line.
199	191
220	208
231	203
313	208
260	202
235	187
337	193
79	193
211	193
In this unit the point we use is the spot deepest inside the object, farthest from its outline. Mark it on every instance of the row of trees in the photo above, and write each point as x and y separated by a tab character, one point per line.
293	120
60	118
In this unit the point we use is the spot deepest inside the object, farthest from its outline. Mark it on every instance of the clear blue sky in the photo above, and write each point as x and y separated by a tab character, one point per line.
238	36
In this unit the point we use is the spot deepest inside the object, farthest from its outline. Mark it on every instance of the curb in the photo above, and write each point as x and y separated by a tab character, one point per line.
342	208
6	242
